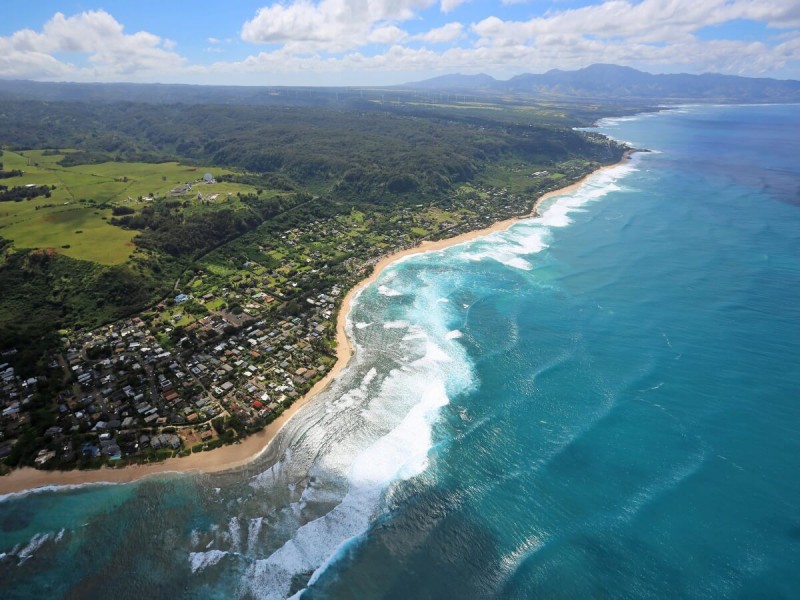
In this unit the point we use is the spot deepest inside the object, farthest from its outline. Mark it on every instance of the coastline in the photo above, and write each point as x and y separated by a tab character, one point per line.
28	479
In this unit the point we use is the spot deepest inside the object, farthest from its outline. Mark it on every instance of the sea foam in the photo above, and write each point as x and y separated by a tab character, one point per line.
379	433
387	291
201	560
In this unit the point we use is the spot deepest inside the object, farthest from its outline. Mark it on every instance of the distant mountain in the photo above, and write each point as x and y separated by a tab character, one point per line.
615	83
600	83
169	93
457	82
158	93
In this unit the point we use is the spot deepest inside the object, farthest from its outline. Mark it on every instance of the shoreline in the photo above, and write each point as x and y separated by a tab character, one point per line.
28	479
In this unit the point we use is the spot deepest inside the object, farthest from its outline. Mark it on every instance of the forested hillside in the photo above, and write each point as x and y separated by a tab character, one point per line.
358	155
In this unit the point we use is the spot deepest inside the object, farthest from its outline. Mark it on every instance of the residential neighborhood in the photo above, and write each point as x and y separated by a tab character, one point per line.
242	337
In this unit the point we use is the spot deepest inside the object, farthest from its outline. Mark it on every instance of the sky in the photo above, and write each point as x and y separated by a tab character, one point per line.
384	42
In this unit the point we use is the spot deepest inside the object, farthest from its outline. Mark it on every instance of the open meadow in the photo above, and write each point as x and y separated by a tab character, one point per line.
74	219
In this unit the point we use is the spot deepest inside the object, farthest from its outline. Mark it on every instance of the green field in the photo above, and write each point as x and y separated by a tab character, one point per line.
78	233
75	204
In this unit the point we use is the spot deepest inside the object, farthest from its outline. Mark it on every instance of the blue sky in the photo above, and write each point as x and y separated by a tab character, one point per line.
361	42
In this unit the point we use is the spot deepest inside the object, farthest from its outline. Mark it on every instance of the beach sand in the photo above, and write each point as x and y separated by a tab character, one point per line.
244	452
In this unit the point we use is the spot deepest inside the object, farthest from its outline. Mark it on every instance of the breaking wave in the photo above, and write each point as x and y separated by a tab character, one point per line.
515	246
371	429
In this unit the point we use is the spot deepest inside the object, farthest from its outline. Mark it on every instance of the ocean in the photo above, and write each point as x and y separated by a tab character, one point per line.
601	402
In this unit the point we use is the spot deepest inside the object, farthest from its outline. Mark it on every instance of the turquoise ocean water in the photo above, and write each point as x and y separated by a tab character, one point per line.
603	402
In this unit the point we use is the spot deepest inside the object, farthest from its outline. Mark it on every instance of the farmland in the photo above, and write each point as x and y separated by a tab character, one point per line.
74	220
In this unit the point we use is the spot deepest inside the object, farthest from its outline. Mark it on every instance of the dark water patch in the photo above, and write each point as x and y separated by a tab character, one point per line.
438	544
18	516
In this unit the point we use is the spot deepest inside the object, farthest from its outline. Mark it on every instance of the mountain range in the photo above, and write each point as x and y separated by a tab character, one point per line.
605	82
599	83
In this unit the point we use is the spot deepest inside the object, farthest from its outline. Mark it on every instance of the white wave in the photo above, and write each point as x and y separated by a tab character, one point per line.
384	290
399	455
527	238
415	333
54	488
400	324
453	335
557	214
509	247
361	325
404	452
512	247
369	432
369	377
320	493
253	530
201	560
390	444
499	255
433	354
235	533
655	387
614	121
29	549
442	300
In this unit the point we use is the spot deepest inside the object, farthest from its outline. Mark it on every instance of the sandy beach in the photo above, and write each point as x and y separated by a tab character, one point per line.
239	454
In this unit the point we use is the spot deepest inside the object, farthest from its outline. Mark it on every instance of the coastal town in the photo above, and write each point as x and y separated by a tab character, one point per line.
231	348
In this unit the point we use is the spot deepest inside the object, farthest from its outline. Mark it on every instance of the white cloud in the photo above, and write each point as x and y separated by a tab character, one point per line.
450	5
649	20
388	34
331	25
94	34
15	64
443	34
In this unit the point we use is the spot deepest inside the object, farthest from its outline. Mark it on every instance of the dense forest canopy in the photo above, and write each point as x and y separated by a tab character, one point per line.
352	154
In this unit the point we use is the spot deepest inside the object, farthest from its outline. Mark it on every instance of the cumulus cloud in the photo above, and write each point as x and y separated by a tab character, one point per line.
450	5
331	25
94	34
388	34
649	20
443	34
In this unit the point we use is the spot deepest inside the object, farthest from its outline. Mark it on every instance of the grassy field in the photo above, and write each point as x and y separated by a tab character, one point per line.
518	177
78	233
73	207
